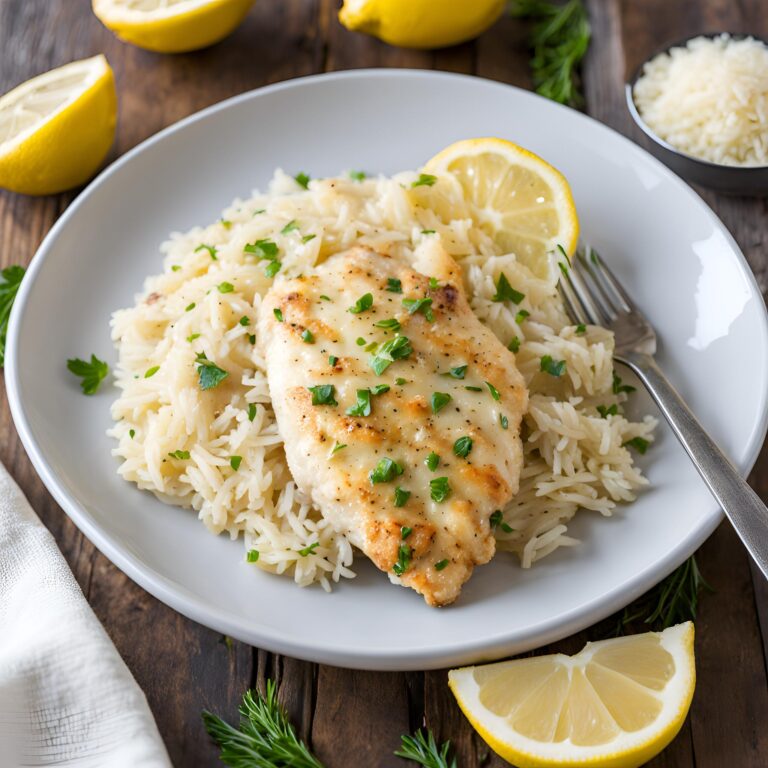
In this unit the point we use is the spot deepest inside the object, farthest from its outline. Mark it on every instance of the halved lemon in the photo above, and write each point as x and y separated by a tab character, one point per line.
56	128
523	202
615	704
171	26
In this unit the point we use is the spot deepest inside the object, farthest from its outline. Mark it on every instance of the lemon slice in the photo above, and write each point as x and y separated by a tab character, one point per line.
617	703
56	128
171	26
421	23
520	200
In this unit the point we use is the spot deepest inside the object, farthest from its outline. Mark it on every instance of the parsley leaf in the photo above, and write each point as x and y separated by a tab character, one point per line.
393	324
225	287
302	179
307	238
439	489
209	375
150	372
212	250
235	461
424	180
363	405
291	226
364	303
263	249
9	287
278	314
181	455
423	305
552	367
640	444
439	400
310	550
441	564
251	411
504	421
394	285
252	556
403	560
398	348
581	329
307	336
606	411
323	394
505	292
245	320
521	315
618	387
514	345
457	373
432	461
338	447
494	392
385	471
357	175
401	497
462	447
92	373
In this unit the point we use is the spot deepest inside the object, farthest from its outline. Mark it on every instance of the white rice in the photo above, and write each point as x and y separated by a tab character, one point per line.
574	458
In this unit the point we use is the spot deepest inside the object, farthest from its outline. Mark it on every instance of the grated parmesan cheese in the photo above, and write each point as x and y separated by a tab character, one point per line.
709	99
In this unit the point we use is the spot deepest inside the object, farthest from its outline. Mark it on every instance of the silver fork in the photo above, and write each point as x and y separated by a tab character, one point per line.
593	295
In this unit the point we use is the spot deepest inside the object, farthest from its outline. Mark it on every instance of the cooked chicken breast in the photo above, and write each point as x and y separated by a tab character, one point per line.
400	412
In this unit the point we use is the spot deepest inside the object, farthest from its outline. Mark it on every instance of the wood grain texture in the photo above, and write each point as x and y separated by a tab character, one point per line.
355	719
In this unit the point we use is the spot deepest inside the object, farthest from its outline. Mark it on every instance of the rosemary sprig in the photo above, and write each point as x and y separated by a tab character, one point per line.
559	40
266	738
422	749
673	600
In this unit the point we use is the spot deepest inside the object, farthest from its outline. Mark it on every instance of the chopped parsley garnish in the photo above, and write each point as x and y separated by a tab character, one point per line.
462	447
357	175
405	532
209	375
252	338
235	461
363	405
505	292
225	287
439	400
379	389
401	497
439	489
360	341
307	238
427	231
552	367
514	345
252	556
640	444
399	381
494	392
257	212
441	564
424	180
581	329
433	284
212	250
606	411
310	550
181	455
264	249
364	303
456	373
307	336
245	320
432	461
423	305
398	348
92	373
323	394
394	285
323	297
521	315
473	389
131	433
190	307
272	268
385	471
392	324
497	521
504	421
332	360
302	179
403	560
226	223
175	267
9	287
338	447
150	372
289	227
618	387
278	314
251	411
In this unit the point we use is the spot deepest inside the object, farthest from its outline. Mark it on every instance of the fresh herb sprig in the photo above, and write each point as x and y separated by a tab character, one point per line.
92	373
266	738
9	287
673	600
559	39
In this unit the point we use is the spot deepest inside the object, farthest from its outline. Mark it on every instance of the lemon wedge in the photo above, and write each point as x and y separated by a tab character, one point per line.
56	129
421	23
615	704
519	199
171	26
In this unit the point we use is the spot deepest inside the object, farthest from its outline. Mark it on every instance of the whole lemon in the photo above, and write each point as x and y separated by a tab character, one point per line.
421	23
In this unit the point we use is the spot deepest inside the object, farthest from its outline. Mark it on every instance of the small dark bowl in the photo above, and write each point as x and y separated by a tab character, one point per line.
729	179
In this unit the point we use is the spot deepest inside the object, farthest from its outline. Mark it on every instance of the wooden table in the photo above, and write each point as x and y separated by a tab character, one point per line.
354	719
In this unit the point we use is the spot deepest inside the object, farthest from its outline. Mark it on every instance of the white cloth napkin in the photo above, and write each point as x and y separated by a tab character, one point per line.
66	697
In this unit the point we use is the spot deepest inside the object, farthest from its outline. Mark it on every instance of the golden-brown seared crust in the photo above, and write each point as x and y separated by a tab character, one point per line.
447	529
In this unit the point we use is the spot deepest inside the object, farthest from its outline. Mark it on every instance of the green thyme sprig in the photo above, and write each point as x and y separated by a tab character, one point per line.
266	738
559	39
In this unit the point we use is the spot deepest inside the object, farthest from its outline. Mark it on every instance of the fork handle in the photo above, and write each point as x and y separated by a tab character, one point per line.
742	506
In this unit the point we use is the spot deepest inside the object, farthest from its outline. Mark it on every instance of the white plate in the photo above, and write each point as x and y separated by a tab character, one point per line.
679	261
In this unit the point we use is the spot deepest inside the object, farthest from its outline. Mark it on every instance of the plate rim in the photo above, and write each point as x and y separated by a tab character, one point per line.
178	597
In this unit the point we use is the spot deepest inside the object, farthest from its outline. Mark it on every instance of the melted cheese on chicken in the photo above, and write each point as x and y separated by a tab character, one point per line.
400	412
